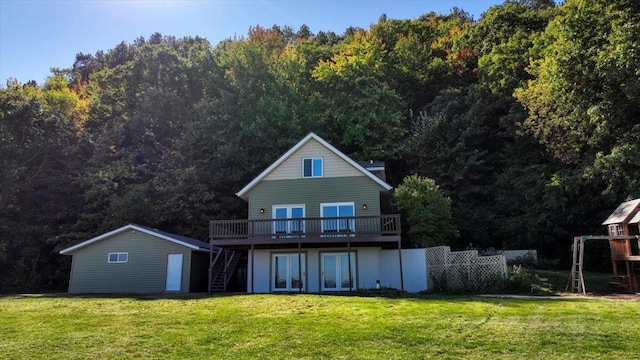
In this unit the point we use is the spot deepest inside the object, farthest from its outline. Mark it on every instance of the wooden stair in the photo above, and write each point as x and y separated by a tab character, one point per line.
222	269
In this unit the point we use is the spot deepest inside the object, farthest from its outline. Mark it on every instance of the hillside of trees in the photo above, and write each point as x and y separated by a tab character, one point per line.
528	119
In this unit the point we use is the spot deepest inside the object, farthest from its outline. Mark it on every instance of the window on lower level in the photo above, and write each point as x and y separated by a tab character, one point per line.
288	272
338	271
119	257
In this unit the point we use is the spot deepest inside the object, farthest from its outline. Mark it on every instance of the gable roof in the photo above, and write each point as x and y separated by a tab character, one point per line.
623	212
635	219
295	148
178	239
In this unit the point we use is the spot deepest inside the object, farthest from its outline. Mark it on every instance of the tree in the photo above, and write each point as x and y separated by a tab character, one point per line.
38	143
361	111
584	100
425	210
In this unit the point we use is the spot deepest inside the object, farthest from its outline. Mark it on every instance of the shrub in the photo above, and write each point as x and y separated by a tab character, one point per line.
426	211
530	262
521	280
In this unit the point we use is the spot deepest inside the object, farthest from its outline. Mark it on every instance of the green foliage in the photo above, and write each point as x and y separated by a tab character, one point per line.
583	102
425	210
164	131
37	200
357	102
521	280
530	262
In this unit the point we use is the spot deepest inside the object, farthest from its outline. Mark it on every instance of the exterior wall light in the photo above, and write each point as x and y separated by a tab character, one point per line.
261	211
364	207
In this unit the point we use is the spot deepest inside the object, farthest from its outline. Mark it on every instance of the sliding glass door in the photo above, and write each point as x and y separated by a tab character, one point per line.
335	272
288	272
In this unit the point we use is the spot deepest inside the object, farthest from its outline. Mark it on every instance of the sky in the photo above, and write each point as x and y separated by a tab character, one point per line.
37	35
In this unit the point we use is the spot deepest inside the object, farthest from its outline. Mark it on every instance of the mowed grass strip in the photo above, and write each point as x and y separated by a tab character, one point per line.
317	326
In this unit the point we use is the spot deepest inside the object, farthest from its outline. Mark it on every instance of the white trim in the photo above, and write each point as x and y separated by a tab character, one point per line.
289	271
295	148
380	168
338	270
312	162
117	257
289	207
121	230
352	225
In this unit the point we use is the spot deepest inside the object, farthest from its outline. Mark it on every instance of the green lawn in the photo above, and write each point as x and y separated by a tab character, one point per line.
594	282
317	326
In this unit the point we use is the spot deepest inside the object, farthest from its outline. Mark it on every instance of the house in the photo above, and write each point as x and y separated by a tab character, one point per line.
621	228
319	221
621	221
138	259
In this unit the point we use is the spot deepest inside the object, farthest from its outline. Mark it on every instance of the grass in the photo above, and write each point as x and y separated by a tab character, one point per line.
594	282
317	326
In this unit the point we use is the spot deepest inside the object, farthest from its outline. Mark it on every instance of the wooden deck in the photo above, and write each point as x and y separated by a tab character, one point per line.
383	228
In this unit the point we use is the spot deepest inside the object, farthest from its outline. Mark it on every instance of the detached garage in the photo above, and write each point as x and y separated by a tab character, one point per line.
137	259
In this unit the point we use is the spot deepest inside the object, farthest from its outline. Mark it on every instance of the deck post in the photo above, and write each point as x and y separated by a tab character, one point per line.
400	261
299	267
349	262
252	267
225	270
210	267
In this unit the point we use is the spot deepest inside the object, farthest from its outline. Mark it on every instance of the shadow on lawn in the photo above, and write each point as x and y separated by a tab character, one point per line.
141	297
366	293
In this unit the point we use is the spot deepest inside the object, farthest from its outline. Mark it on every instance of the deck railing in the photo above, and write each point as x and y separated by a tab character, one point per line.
335	227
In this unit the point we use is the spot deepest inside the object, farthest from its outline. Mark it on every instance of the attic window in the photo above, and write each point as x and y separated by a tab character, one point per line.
312	167
119	257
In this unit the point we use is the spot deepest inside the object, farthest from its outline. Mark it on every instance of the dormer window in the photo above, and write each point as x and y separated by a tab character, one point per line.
616	230
312	167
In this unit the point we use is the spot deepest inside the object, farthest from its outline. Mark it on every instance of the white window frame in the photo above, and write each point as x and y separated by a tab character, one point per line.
289	284
313	163
289	219
351	223
118	259
338	270
616	230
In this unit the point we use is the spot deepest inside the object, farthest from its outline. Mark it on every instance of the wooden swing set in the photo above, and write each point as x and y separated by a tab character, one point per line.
621	253
618	227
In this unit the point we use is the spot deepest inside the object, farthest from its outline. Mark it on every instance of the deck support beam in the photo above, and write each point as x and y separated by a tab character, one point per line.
299	267
252	267
210	268
400	261
226	265
349	262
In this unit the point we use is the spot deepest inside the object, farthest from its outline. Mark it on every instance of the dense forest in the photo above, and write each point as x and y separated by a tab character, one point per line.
527	119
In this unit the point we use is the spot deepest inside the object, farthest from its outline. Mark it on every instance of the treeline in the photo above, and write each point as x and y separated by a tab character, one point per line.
528	119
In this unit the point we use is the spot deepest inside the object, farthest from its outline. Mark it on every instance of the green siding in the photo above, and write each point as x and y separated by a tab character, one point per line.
312	192
145	272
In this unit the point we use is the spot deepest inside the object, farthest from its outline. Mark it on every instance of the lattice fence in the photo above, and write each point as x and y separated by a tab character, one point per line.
463	270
